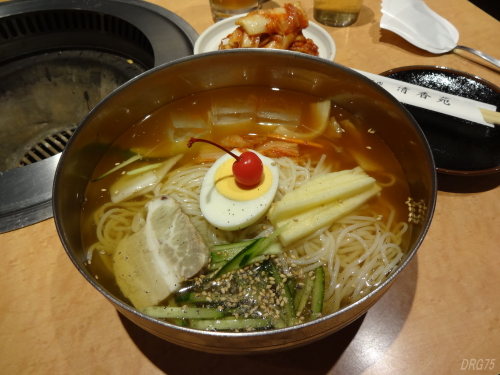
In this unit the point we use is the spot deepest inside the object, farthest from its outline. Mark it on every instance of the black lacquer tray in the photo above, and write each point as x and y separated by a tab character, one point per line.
467	154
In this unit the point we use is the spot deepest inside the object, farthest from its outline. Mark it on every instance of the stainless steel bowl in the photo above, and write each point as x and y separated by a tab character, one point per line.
286	70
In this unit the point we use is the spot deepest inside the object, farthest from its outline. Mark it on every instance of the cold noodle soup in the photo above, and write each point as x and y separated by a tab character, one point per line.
174	231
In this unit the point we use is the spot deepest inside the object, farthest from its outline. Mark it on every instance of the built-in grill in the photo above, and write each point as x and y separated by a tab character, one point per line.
58	59
50	146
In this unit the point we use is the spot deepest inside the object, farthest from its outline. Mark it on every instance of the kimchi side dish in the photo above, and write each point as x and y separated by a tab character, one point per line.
277	28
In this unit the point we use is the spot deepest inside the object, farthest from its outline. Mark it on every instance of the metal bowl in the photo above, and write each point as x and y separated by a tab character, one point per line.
285	70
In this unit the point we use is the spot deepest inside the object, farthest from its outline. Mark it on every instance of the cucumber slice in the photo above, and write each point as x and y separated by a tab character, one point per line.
229	246
230	324
318	293
302	296
223	253
243	255
273	249
262	246
169	312
190	298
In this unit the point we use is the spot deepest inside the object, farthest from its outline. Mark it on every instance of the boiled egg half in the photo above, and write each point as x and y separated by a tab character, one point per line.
229	206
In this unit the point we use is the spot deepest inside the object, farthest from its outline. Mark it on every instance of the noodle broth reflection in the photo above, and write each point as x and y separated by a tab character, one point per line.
356	252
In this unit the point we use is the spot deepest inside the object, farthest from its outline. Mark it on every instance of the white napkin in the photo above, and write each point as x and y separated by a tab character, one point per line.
419	25
434	100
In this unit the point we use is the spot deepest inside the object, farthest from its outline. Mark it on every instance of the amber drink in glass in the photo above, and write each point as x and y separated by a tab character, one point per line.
338	13
222	9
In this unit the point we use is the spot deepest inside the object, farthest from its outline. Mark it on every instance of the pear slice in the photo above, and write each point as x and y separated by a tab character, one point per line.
310	221
151	264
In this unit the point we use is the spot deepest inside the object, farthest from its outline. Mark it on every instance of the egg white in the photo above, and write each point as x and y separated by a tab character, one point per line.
228	214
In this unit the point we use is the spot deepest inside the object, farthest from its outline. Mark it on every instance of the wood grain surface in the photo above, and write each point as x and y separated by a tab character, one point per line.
441	314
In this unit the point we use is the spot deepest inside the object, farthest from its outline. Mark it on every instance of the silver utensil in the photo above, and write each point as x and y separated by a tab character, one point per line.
488	58
421	26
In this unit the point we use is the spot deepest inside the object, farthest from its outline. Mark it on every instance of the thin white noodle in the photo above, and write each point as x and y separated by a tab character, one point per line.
358	251
317	170
392	180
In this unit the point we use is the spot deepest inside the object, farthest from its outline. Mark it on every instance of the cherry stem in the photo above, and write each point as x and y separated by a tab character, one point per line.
193	140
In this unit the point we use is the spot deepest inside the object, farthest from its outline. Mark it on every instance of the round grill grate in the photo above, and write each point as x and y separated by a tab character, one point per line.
88	47
50	146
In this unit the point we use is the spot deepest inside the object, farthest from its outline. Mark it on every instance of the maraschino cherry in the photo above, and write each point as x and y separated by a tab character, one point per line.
247	168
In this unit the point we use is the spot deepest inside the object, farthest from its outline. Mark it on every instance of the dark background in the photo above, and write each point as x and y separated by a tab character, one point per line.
492	7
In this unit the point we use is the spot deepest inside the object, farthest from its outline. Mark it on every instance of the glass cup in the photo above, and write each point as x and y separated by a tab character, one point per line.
222	9
338	13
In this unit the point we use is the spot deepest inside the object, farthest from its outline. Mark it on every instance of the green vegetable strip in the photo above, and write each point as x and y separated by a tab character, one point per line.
245	260
303	295
230	324
190	298
245	256
318	293
215	266
144	169
120	166
271	250
263	246
179	322
199	298
278	323
230	246
218	255
235	263
169	312
284	292
223	253
291	283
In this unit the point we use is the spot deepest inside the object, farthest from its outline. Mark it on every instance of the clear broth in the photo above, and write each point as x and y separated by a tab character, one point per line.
152	134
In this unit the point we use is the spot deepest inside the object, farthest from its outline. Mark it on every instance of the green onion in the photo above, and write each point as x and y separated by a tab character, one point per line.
120	166
144	169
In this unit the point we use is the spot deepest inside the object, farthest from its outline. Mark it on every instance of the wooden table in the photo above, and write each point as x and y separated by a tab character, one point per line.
441	315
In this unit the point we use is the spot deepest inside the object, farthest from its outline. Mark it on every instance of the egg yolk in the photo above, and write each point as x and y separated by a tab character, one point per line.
226	185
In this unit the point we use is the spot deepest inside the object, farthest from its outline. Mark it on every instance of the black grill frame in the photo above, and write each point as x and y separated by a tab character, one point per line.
144	32
48	30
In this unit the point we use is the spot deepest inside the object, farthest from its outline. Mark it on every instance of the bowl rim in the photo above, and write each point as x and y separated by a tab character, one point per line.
380	288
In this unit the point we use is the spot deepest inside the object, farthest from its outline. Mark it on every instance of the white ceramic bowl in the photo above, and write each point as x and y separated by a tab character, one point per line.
210	39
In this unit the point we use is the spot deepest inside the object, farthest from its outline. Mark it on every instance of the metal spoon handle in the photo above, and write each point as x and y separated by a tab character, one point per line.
488	58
